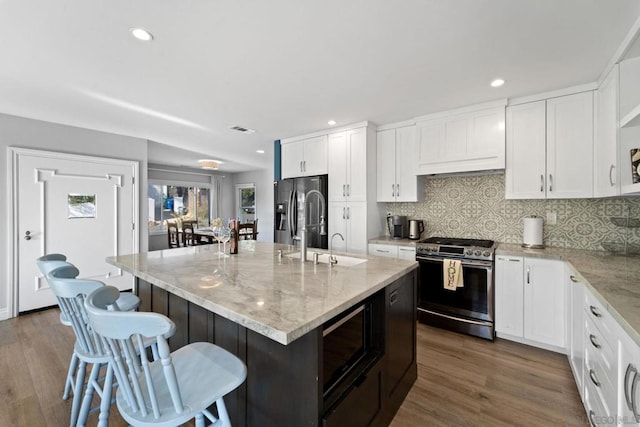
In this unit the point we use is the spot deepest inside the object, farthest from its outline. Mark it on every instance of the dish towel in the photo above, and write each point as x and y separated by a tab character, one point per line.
452	274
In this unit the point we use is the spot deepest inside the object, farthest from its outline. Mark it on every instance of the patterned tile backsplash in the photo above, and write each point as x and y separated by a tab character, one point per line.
473	206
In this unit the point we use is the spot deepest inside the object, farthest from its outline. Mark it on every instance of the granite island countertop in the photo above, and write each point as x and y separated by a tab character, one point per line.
277	297
613	279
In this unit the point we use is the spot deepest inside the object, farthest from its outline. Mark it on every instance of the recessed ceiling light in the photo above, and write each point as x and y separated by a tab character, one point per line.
141	34
497	83
260	151
332	122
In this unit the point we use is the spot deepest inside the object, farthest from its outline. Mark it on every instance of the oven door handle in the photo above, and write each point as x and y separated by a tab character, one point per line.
465	263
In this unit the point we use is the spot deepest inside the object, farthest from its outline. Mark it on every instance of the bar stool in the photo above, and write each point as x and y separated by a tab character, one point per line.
88	349
169	391
127	302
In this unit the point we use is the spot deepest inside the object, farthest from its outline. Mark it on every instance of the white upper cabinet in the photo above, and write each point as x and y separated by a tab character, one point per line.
526	151
550	148
461	142
396	166
347	165
305	157
605	170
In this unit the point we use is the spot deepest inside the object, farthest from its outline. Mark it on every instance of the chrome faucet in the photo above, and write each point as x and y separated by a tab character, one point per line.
332	259
322	224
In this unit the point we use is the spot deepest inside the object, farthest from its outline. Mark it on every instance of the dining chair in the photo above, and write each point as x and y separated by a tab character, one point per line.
173	234
70	293
248	231
188	228
175	388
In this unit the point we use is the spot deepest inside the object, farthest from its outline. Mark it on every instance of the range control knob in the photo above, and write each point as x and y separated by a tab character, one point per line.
477	253
486	254
469	252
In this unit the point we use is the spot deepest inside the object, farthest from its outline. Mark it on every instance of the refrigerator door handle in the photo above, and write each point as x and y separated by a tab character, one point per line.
289	213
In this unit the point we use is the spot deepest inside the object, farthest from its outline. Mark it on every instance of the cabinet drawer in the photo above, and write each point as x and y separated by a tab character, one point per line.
600	366
364	395
407	252
390	251
596	411
600	316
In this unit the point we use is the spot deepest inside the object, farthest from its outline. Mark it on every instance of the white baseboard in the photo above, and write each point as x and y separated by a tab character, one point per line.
531	343
4	314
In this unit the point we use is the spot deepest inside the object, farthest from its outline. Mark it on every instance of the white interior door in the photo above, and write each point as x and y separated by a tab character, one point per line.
83	207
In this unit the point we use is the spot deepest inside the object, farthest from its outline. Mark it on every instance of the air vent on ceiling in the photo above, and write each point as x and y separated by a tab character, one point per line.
242	129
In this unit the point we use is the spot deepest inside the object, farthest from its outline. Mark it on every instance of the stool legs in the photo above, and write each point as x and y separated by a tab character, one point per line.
68	385
77	393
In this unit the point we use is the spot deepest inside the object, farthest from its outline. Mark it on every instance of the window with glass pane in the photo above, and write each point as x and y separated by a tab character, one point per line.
172	202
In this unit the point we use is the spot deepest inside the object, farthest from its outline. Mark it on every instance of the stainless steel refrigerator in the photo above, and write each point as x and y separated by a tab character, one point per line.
288	210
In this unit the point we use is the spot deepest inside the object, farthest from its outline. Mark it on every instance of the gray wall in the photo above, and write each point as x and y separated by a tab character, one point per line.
263	180
27	133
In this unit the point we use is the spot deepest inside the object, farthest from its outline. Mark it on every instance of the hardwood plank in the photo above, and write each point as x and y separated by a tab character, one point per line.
462	380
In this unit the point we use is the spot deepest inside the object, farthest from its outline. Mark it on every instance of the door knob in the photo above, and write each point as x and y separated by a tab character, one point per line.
27	235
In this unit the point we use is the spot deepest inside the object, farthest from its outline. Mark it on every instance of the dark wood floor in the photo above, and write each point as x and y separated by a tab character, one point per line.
462	381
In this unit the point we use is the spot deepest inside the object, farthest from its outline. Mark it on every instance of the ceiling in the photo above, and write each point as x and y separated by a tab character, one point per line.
286	67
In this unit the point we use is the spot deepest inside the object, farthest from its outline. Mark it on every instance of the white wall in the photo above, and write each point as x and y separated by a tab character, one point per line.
27	133
263	180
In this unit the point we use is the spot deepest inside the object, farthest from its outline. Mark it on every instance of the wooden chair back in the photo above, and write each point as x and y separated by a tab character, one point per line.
188	227
248	231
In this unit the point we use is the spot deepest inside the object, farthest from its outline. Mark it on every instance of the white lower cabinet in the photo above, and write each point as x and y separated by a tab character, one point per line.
393	251
530	301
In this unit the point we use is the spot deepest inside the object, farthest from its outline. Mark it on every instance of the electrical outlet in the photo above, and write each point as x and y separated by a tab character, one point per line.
552	218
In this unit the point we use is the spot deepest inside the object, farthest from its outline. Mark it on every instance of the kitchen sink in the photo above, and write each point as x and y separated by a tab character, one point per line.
323	258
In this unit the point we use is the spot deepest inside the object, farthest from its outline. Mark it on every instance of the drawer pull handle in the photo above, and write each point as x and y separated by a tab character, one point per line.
393	297
573	278
594	378
593	340
630	369
633	398
380	250
595	311
592	416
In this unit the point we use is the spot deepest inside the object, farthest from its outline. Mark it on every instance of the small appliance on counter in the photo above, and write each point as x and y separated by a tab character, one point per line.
398	226
416	228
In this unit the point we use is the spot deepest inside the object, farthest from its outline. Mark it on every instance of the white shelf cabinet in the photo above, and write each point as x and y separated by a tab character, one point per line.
305	157
550	148
605	171
347	170
397	179
530	301
629	123
463	142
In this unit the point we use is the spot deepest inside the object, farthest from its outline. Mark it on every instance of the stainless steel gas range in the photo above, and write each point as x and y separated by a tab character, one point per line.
468	309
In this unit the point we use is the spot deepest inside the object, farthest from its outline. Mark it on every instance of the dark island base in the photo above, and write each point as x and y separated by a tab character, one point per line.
282	387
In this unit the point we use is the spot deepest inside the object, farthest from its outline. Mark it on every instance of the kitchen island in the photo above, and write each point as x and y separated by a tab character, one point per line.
270	310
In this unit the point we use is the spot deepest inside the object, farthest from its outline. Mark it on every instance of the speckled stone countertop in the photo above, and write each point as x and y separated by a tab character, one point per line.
613	279
386	240
279	298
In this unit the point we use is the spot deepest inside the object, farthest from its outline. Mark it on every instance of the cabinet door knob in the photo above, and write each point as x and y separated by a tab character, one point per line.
393	190
550	182
27	235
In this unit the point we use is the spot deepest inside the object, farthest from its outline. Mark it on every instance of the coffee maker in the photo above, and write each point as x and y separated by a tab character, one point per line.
398	226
